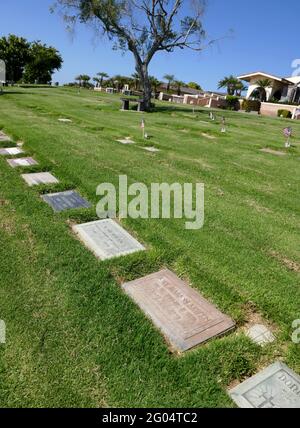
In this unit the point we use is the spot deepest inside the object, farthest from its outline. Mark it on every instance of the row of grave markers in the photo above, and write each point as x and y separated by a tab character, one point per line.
181	313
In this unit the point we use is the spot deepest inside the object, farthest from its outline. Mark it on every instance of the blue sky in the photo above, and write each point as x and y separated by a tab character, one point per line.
265	37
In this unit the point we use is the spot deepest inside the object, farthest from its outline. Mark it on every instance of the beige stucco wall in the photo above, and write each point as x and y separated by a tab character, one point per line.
270	109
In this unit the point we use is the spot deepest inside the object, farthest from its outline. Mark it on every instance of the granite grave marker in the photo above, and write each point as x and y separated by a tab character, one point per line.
11	151
39	178
275	387
107	239
14	163
65	201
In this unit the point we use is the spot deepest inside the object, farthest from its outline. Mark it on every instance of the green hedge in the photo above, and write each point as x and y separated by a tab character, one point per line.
286	114
232	102
251	105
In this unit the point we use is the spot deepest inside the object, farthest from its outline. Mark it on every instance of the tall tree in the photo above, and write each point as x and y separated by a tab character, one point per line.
102	76
154	82
194	85
15	52
142	27
120	81
79	79
85	80
170	79
179	84
239	88
44	60
97	81
230	83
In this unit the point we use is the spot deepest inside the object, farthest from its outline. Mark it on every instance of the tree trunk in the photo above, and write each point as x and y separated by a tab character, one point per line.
142	70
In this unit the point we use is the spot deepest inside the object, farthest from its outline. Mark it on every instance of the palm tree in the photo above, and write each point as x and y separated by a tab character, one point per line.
97	81
154	83
79	79
119	81
239	88
178	84
261	88
229	82
85	80
102	76
170	79
136	80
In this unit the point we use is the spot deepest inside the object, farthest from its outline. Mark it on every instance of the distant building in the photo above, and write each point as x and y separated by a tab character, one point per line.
283	89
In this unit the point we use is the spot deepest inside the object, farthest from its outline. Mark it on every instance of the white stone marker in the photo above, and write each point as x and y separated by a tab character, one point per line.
260	334
151	149
4	137
275	387
126	141
14	163
107	239
65	120
39	178
11	151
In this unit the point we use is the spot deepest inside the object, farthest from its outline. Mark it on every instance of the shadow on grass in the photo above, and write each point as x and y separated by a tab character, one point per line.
172	109
16	92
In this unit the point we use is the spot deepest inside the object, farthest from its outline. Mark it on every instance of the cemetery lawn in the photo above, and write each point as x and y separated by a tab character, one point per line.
73	338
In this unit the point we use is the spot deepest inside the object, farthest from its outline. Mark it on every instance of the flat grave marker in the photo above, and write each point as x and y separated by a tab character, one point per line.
179	311
210	137
65	201
107	239
275	387
11	151
260	334
4	137
126	141
39	178
65	120
151	149
14	163
273	152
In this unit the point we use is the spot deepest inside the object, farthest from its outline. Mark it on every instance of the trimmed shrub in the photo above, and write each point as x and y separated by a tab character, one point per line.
232	102
251	105
286	114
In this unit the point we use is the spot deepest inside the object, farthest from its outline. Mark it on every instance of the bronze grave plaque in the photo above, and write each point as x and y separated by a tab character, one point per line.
179	311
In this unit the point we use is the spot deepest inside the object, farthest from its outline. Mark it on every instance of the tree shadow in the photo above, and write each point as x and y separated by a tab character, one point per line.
174	109
16	92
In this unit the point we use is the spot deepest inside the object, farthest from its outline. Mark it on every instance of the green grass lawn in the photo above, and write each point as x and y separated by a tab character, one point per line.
73	337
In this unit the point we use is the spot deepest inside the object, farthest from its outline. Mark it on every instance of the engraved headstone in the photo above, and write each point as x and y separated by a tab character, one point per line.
179	311
11	151
39	178
107	239
275	387
260	334
14	163
65	201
